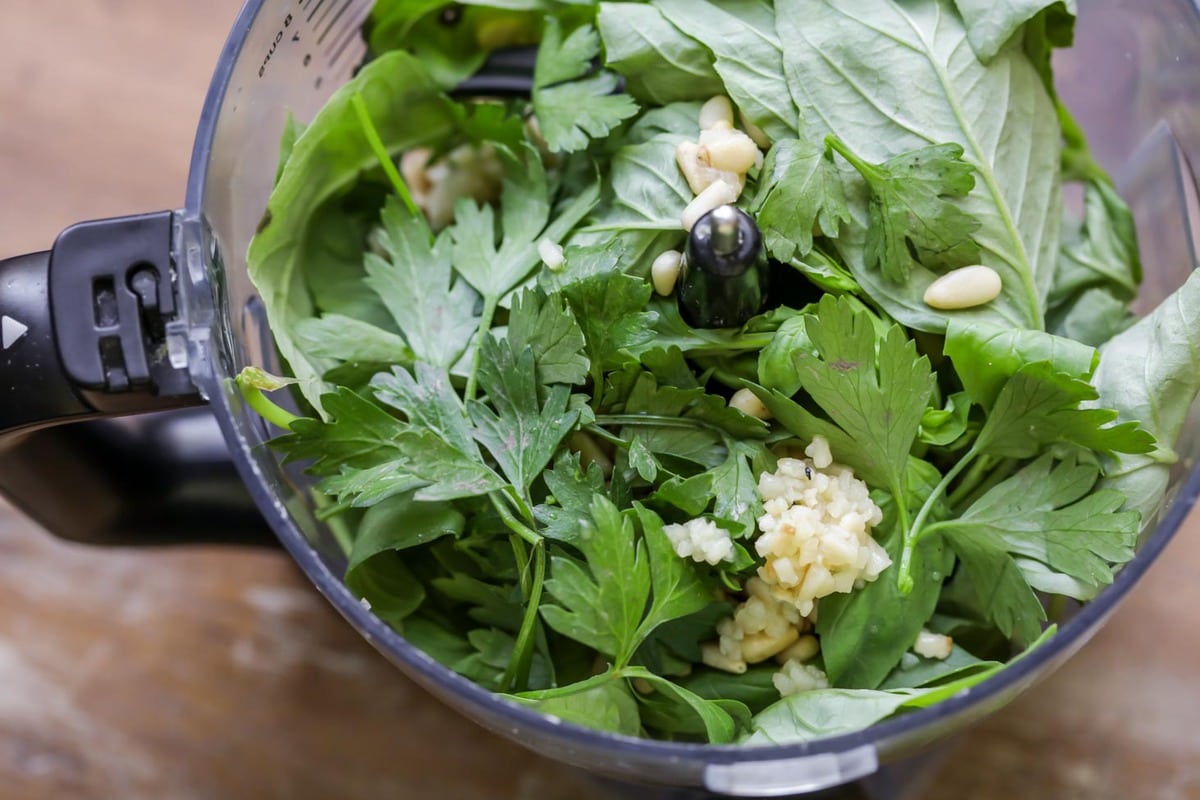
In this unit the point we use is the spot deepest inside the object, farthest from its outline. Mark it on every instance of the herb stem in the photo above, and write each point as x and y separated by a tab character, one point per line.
912	534
337	524
517	671
996	474
485	325
521	557
934	527
273	413
611	438
512	523
654	421
385	159
727	378
573	688
861	166
977	472
745	343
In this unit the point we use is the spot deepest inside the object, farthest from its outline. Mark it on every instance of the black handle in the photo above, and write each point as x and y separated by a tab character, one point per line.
34	389
724	275
89	331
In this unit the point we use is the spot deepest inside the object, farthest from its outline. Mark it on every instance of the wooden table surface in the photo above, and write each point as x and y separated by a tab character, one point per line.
213	673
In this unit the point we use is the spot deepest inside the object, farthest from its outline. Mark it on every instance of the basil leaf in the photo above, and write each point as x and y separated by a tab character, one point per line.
1151	374
1000	113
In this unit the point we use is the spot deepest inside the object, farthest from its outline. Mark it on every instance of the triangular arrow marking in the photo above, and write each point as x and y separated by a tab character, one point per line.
10	331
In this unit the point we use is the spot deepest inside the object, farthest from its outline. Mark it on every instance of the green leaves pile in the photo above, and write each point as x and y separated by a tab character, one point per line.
501	444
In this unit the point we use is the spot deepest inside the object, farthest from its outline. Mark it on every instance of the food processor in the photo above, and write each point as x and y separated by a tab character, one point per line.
154	314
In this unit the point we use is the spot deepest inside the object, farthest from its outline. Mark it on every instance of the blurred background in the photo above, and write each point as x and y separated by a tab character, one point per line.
219	673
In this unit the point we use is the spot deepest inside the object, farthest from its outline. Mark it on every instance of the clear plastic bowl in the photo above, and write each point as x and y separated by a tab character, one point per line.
1132	82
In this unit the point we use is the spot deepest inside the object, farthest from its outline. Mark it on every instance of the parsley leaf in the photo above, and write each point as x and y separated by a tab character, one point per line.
1036	407
731	487
520	432
1045	515
361	435
677	588
799	188
601	604
611	310
629	587
911	219
524	211
571	108
414	283
1039	406
375	573
548	327
350	339
877	400
572	488
430	400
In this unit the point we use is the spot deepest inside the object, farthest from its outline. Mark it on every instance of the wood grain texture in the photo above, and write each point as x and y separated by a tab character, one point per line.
208	673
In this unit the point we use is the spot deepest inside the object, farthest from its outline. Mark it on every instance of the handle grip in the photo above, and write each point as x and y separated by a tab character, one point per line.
87	332
34	389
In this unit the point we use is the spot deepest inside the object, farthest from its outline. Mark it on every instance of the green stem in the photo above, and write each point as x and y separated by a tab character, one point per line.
904	579
977	472
512	523
275	414
517	671
865	169
654	421
934	527
597	387
601	433
521	557
747	343
337	524
726	378
485	325
998	473
573	688
385	159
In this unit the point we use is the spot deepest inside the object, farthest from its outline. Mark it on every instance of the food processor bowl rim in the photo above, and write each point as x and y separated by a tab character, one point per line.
1071	635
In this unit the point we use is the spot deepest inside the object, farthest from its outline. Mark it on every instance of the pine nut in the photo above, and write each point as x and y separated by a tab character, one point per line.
719	194
754	132
748	403
699	173
552	255
710	654
665	271
964	288
733	152
717	109
803	649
